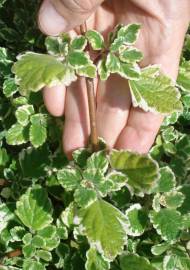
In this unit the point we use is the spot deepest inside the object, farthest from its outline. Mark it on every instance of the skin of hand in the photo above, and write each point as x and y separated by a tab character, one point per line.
163	27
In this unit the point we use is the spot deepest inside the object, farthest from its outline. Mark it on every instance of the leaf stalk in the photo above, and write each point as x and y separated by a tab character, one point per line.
91	104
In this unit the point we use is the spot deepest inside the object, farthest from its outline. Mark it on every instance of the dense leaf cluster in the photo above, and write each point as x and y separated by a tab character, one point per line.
101	211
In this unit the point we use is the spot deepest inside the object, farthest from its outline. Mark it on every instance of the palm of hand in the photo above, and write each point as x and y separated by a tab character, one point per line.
119	124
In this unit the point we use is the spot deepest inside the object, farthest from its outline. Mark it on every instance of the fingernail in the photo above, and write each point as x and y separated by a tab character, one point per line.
50	21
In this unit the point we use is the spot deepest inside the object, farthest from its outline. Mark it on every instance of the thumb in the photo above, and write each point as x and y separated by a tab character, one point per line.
56	16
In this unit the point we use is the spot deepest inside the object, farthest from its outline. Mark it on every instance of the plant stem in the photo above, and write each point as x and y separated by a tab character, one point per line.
3	183
91	104
14	253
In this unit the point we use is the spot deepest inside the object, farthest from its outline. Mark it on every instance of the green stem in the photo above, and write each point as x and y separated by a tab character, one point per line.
91	104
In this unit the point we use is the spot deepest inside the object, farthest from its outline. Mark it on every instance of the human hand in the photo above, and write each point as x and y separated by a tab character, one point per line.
164	24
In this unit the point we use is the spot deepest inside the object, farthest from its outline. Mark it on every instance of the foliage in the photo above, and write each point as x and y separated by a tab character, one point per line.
100	211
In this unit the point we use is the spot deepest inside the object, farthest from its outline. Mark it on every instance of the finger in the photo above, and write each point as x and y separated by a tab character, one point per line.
54	99
140	132
113	103
63	15
76	127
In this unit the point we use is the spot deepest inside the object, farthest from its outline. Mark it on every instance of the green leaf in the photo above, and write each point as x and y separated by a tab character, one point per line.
38	129
129	32
78	59
34	71
134	262
28	251
160	248
117	179
104	226
130	55
87	71
17	134
69	178
141	170
4	157
155	92
58	46
102	70
32	265
9	87
166	181
23	113
163	222
98	161
44	255
137	220
85	196
33	162
172	199
95	39
47	232
34	208
185	208
113	63
78	43
183	76
177	260
38	241
6	214
17	233
129	71
95	261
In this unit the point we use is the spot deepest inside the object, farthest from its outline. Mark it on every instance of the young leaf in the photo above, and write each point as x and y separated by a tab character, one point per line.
22	114
184	75
32	265
95	39
6	214
167	180
44	255
113	64
134	262
78	43
172	199
85	196
163	222
38	130
95	261
28	251
78	59
102	70
98	161
69	178
160	248
57	46
104	226
87	71
129	32
17	134
9	87
155	92
34	208
34	71
141	170
137	220
130	55
129	71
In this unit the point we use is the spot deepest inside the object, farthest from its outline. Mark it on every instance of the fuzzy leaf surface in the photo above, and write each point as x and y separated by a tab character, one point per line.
34	208
95	261
141	170
104	226
163	222
95	39
135	262
155	92
34	71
